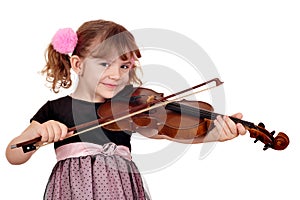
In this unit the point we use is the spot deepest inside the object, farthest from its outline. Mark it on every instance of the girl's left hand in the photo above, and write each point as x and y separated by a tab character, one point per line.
225	129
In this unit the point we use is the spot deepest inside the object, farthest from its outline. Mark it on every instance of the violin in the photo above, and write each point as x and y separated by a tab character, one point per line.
147	112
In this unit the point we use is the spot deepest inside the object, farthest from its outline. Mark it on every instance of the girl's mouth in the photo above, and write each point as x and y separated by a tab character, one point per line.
110	86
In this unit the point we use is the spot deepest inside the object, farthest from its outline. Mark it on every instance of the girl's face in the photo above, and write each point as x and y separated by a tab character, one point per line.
102	78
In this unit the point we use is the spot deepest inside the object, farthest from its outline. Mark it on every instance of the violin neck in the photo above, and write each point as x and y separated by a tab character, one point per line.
203	114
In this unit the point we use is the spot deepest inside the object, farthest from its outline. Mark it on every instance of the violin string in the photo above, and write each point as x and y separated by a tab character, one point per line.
211	115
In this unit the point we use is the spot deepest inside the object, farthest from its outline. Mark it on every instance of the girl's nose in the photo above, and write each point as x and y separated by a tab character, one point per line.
114	72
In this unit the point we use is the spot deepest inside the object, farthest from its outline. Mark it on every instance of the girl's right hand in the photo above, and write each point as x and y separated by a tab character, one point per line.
51	131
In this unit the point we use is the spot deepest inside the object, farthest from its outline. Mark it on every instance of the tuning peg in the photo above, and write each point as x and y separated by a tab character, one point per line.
260	124
256	140
266	147
272	133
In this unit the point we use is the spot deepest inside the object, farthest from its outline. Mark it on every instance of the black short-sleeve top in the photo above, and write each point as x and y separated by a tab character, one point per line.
73	112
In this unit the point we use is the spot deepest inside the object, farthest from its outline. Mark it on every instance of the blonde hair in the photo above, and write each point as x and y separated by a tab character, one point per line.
91	36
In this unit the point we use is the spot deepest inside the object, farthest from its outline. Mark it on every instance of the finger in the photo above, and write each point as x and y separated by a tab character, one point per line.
57	132
43	133
238	115
51	132
64	131
61	131
241	129
219	124
231	126
70	133
225	121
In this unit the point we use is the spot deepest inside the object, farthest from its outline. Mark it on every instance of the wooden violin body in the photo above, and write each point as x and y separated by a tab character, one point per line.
161	120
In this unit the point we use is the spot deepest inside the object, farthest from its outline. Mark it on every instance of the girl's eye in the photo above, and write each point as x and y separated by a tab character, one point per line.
125	66
105	64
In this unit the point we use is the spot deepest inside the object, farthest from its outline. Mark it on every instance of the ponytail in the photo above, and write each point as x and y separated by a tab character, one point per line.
57	69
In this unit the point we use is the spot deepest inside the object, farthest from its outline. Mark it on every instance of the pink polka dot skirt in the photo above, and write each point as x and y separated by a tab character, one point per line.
95	177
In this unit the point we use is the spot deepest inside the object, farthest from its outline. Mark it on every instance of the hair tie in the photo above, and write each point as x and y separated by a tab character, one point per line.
64	41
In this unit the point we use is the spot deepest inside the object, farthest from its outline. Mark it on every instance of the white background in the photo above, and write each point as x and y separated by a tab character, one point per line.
255	46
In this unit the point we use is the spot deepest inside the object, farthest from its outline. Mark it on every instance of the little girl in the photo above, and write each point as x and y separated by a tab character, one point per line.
96	164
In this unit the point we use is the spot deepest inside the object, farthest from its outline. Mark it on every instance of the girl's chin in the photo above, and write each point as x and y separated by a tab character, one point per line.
107	94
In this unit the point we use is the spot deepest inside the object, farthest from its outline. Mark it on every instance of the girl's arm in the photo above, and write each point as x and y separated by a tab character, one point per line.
51	131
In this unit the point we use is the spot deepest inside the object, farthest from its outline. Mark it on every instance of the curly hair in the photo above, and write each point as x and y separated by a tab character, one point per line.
96	38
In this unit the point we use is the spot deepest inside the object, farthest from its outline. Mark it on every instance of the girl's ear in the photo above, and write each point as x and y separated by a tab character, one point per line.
76	64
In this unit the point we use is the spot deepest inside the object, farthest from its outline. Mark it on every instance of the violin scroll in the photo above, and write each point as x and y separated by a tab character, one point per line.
280	142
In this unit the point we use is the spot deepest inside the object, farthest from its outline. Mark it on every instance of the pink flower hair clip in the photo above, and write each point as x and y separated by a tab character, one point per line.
64	41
